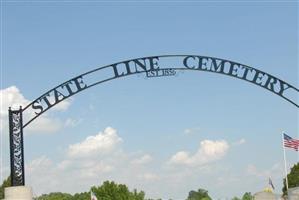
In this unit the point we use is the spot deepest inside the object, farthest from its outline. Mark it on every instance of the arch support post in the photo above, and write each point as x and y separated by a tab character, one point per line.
16	147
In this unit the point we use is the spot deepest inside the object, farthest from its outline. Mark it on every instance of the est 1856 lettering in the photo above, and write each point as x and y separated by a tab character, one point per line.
160	72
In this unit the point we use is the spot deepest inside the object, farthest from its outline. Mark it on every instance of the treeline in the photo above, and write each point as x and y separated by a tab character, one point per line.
113	191
202	194
107	191
110	190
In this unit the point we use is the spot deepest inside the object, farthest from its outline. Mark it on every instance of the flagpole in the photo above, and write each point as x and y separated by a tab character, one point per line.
298	148
285	162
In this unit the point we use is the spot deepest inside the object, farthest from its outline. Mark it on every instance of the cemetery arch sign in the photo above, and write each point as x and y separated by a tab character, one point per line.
153	66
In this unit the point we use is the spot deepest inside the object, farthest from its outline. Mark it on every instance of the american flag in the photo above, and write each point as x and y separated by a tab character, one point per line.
271	184
290	142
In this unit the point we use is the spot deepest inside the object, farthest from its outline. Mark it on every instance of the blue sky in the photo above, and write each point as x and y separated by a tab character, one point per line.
152	134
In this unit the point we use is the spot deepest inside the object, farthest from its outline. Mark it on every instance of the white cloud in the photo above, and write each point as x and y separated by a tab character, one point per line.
270	172
63	105
187	131
239	142
103	142
142	160
148	177
190	131
46	176
94	168
208	151
101	157
12	97
95	159
65	164
42	174
91	107
69	122
40	162
44	124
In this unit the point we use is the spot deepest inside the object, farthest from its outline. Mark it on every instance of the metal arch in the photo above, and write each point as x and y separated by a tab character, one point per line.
151	69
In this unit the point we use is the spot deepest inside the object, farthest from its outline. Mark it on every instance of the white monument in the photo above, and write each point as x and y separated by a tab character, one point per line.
18	193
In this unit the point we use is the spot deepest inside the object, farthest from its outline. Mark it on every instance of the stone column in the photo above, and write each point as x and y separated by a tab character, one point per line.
18	193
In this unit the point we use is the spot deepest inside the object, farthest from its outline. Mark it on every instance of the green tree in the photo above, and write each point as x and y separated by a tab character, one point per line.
81	196
247	196
6	183
55	196
200	194
236	198
293	178
107	191
113	191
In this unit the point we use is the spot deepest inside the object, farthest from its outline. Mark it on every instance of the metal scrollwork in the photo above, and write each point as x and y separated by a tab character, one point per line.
16	148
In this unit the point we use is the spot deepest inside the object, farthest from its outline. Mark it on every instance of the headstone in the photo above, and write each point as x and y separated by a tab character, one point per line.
293	193
264	196
18	193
